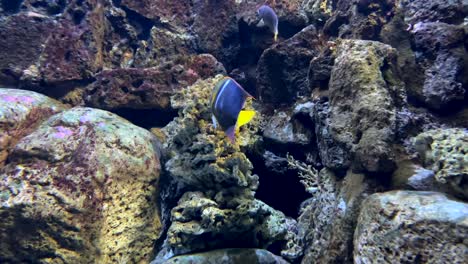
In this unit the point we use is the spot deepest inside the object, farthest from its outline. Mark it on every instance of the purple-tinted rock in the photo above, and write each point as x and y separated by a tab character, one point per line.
448	11
21	42
434	36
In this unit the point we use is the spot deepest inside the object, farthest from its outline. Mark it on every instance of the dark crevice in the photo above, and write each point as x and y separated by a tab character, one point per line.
147	118
141	24
11	6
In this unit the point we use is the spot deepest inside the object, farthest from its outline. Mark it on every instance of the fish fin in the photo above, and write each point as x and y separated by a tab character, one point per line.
275	38
245	116
261	23
215	124
231	134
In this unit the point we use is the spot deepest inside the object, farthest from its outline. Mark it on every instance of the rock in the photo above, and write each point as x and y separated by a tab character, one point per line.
364	94
432	37
20	113
225	220
409	226
283	128
334	154
202	157
360	19
229	256
144	88
451	11
445	152
173	12
442	88
326	224
22	38
282	69
81	188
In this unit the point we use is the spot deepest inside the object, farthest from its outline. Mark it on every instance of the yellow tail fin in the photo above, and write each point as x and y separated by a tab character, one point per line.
244	117
275	38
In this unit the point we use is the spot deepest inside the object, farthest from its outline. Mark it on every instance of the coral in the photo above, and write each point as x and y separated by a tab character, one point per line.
410	226
445	151
81	188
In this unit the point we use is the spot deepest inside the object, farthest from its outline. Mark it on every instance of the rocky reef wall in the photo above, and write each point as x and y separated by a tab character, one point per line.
358	152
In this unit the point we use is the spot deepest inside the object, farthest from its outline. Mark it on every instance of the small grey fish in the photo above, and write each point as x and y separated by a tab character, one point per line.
269	18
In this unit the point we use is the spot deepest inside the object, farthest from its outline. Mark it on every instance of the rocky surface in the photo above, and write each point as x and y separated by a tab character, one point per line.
355	97
20	113
81	188
445	152
229	256
364	94
405	226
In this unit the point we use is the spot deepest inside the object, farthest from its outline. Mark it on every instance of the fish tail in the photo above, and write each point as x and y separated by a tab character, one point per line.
275	38
231	134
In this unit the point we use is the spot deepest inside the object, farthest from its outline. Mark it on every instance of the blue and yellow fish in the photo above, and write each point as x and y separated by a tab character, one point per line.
270	19
227	101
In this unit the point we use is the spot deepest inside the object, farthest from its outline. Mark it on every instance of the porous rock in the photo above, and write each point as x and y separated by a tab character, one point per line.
20	113
448	11
81	188
140	88
411	226
445	151
364	94
229	256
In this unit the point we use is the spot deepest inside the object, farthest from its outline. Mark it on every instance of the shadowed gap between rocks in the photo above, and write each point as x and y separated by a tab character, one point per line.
147	118
11	6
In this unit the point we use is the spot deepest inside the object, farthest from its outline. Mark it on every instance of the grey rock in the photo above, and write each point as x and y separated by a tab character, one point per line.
410	226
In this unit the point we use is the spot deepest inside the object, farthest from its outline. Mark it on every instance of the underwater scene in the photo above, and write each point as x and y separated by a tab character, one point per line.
233	131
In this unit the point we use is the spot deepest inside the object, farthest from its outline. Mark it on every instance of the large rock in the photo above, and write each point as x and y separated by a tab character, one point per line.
22	38
141	88
20	113
364	94
448	11
445	151
283	69
409	227
229	256
81	188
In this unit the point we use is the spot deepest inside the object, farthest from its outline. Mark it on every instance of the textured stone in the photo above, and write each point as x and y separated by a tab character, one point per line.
140	88
166	11
20	113
284	129
283	69
81	188
448	11
364	94
408	227
434	36
22	38
445	151
327	221
229	256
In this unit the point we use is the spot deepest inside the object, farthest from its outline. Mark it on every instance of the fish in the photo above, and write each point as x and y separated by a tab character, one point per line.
269	18
227	100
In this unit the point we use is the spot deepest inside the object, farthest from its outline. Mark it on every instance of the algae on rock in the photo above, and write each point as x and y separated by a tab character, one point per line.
218	208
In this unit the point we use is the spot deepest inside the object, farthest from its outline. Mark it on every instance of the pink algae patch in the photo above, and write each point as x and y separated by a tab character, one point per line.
63	132
18	99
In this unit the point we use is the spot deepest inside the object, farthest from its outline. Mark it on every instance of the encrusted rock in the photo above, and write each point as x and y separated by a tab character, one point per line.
327	221
81	188
229	256
409	226
445	151
364	94
224	220
140	88
284	129
20	113
448	11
